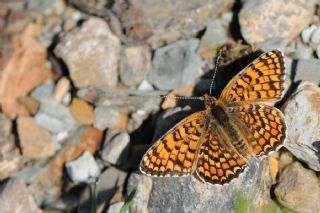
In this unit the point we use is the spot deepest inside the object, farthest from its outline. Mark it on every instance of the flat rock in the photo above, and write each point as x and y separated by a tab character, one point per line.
135	64
271	44
81	111
299	189
92	54
182	17
116	150
43	92
35	141
110	181
15	197
194	196
143	185
216	35
176	65
302	112
126	100
55	117
83	169
109	117
259	23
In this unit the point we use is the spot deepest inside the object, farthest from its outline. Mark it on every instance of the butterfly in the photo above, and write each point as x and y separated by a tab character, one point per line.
217	142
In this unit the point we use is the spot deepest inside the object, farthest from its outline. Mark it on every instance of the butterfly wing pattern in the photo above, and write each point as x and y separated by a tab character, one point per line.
174	154
217	164
216	143
260	81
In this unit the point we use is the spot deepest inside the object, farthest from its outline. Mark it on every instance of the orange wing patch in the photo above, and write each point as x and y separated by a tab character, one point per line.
266	124
175	152
262	80
216	164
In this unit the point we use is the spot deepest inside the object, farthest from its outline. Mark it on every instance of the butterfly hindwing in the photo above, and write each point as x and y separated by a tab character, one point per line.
217	164
260	81
266	125
175	152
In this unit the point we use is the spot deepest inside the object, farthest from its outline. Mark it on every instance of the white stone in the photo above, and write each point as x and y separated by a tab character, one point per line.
315	37
145	86
83	169
116	150
115	208
306	34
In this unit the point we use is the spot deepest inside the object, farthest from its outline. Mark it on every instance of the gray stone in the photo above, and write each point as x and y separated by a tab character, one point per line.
302	112
15	197
83	169
116	150
299	189
306	34
40	5
44	92
263	20
271	44
105	117
10	156
92	54
143	186
136	120
135	64
189	194
216	35
27	173
306	70
176	65
5	129
55	117
110	182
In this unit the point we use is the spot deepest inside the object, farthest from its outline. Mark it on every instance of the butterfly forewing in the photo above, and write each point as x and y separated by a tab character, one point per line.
175	152
260	81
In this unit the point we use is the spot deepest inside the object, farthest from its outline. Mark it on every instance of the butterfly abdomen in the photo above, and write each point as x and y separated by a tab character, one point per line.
233	137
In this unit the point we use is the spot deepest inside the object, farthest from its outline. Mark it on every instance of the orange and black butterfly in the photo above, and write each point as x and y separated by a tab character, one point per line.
216	142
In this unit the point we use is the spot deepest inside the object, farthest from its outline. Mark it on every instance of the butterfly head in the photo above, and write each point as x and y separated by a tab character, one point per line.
209	101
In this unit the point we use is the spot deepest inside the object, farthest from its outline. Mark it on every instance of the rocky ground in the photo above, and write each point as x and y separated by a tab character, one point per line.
79	95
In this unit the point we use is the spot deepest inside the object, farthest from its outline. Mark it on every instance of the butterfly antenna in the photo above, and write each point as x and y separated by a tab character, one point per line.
215	71
181	97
